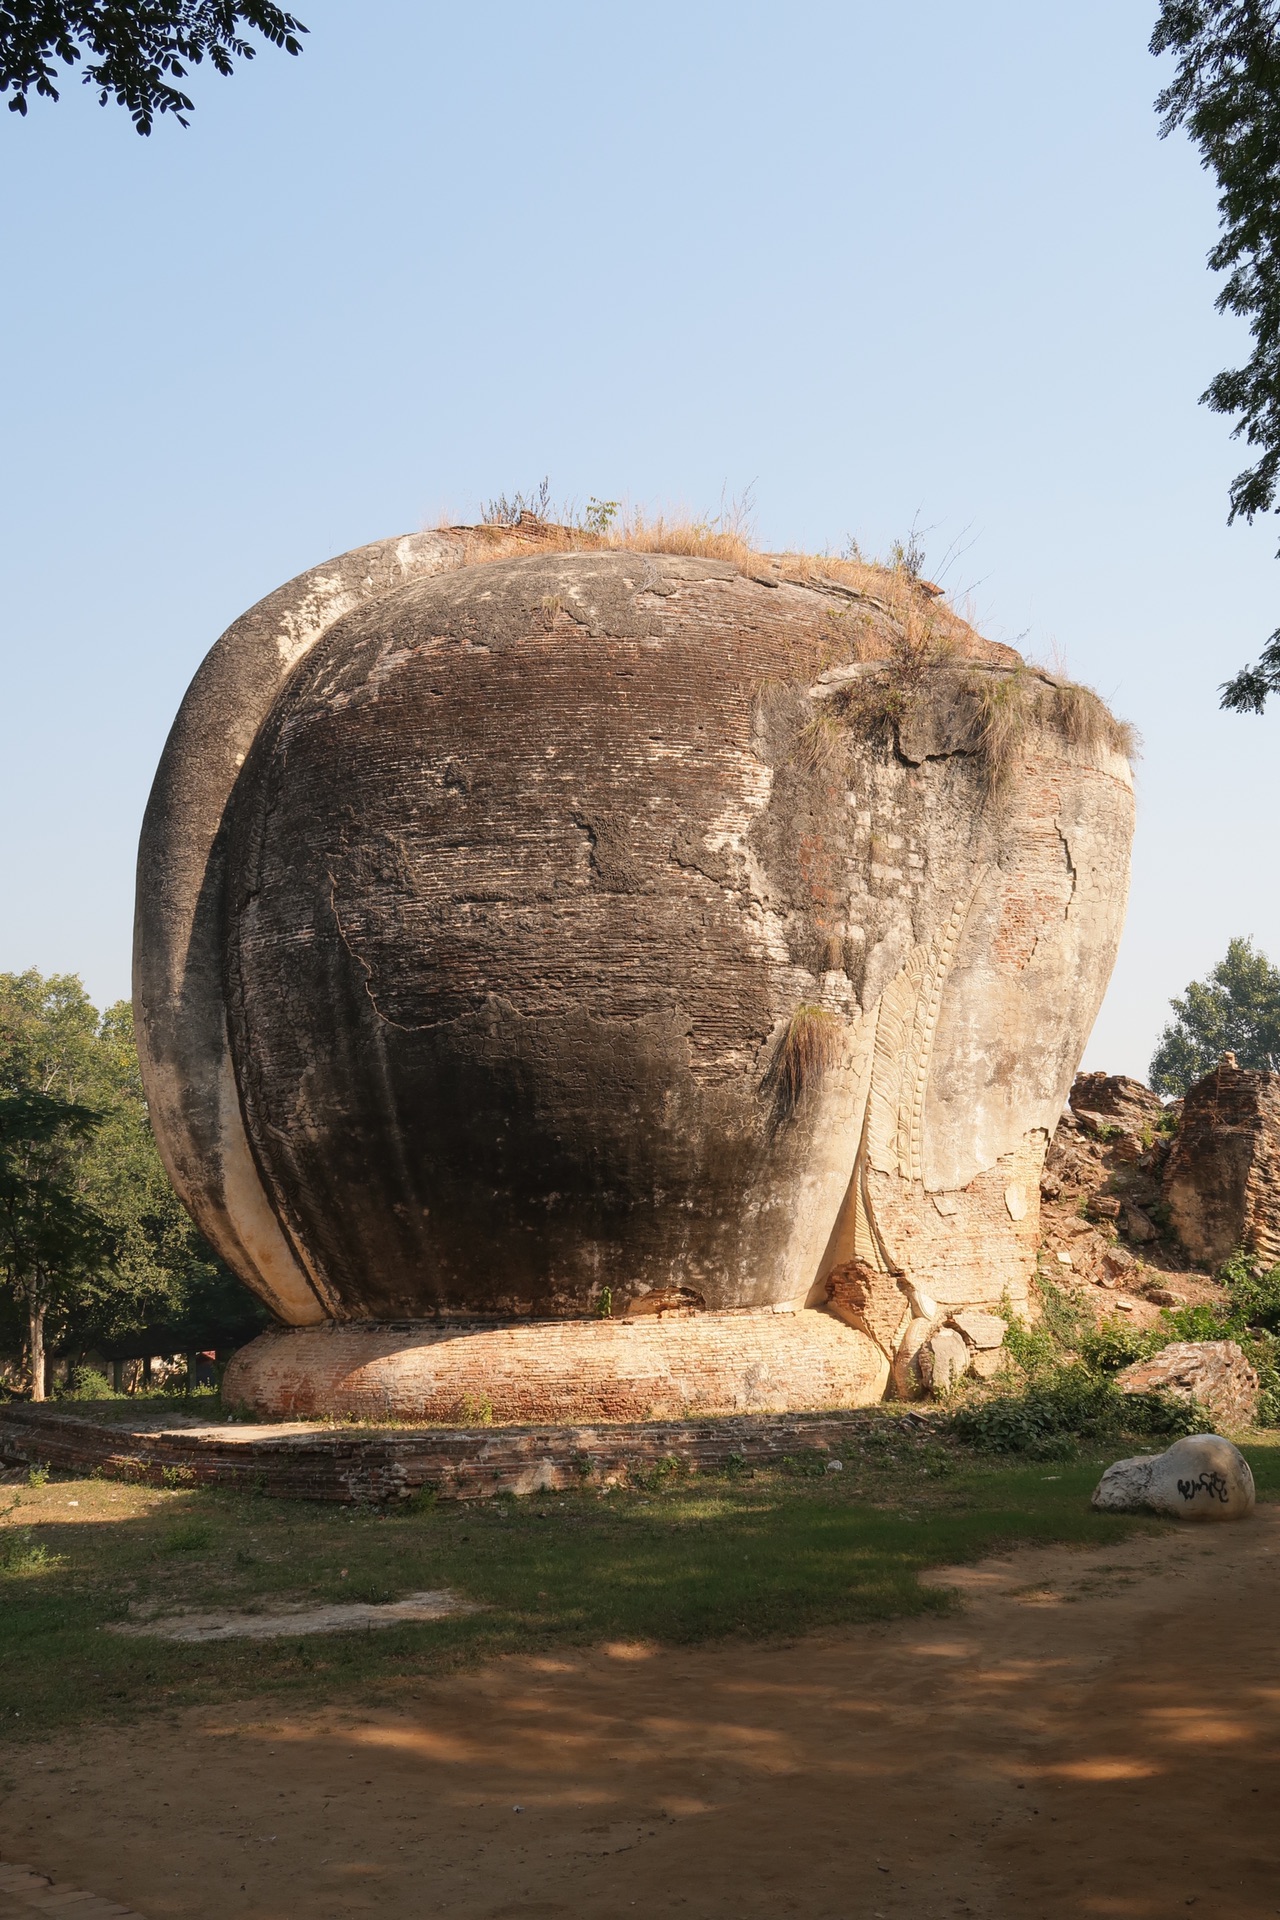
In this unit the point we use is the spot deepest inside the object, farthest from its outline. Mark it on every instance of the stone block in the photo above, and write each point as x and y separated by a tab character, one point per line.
981	1330
1113	1099
907	1381
987	1362
1166	1297
652	1367
1214	1374
1138	1226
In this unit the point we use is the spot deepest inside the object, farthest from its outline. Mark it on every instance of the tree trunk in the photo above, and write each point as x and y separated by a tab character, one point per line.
35	1339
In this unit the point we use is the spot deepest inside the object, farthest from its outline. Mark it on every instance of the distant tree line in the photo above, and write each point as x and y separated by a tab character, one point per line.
96	1251
1236	1010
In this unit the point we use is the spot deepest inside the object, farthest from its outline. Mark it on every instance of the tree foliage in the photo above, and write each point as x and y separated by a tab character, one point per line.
1236	1010
130	1272
138	50
52	1240
1226	94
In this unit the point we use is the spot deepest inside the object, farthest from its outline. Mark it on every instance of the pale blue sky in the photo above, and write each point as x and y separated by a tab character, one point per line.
879	262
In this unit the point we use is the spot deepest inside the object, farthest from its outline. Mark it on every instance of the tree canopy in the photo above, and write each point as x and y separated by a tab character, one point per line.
1236	1010
93	1240
1225	92
138	50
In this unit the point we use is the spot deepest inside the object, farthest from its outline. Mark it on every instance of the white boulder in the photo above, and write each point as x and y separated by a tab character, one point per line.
1202	1477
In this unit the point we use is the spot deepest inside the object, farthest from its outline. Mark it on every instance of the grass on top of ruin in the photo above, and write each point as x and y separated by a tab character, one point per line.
678	1559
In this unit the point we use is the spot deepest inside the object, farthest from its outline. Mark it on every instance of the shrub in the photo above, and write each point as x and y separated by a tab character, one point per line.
1055	1336
1047	1417
1061	1389
86	1383
1250	1315
189	1536
1254	1296
1116	1344
1263	1351
1200	1322
23	1553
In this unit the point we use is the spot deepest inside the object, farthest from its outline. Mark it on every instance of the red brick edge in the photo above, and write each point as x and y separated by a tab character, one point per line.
24	1887
371	1467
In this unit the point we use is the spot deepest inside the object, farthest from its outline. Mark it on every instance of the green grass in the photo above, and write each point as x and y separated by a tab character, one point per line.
204	1404
687	1559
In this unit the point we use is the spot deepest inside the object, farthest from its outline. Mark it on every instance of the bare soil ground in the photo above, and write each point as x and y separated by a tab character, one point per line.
1095	1732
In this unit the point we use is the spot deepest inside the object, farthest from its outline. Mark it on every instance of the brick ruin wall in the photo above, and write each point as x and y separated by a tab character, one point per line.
372	1468
655	1367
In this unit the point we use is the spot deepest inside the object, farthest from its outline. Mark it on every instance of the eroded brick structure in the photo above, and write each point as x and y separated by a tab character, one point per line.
1222	1182
531	939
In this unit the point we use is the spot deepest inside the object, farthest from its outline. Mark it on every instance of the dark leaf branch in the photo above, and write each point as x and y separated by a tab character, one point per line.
1225	93
137	50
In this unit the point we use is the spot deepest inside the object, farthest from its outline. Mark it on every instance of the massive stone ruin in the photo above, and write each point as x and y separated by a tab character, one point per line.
1137	1193
574	981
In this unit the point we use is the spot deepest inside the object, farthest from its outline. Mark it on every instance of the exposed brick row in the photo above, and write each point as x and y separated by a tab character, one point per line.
372	1467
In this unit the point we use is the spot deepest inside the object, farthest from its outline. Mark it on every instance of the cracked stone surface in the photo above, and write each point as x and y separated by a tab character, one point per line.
477	902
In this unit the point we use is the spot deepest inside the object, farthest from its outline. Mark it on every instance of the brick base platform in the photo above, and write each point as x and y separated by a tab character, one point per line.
24	1892
375	1466
653	1367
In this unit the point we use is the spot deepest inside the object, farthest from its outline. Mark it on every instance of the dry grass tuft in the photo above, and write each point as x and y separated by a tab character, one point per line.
917	644
812	1043
1007	705
1084	718
822	744
891	589
722	539
885	617
1011	705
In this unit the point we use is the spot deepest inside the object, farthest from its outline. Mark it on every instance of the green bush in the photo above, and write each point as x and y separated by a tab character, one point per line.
1264	1356
1254	1296
189	1536
86	1383
1116	1344
1250	1315
1061	1388
1201	1322
23	1553
1048	1415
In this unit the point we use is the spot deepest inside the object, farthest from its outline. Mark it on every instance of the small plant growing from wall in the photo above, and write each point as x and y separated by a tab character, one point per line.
811	1043
504	511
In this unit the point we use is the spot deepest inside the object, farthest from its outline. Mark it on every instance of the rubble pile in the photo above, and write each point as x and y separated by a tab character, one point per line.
1107	1230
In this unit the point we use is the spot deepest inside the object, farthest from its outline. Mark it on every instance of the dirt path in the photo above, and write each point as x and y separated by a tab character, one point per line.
1096	1733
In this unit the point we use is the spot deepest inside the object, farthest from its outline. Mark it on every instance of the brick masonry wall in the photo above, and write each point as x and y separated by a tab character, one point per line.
374	1467
1222	1181
654	1367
